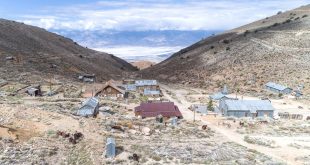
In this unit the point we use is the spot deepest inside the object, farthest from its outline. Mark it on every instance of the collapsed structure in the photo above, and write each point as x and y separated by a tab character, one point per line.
34	90
89	108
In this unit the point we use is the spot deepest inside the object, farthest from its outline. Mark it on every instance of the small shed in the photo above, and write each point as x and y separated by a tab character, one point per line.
273	87
89	108
34	90
298	94
88	78
247	108
110	148
225	90
174	121
9	58
148	92
200	108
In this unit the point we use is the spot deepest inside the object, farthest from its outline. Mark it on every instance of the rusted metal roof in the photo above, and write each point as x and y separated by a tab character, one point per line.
166	109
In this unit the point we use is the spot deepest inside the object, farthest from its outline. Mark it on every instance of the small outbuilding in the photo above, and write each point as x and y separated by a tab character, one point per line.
89	108
110	148
34	90
247	108
88	78
273	87
148	92
199	108
130	87
297	94
166	109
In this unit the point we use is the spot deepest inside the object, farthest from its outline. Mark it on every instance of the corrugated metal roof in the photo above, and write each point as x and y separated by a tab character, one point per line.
92	102
276	86
110	140
88	107
151	92
218	96
166	109
32	90
248	105
145	82
130	87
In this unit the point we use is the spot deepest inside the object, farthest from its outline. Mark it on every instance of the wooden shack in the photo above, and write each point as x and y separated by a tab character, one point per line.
110	91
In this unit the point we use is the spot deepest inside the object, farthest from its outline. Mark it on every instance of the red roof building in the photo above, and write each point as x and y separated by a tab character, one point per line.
166	109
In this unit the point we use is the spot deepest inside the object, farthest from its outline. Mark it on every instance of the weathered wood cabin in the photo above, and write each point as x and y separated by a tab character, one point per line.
111	91
151	85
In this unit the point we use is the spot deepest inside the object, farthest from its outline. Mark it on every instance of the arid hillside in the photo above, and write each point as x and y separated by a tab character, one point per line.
34	51
143	64
276	49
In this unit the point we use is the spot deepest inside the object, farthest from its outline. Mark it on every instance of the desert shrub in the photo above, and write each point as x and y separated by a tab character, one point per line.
156	158
279	12
297	18
228	48
215	52
275	24
212	47
287	21
246	32
304	16
226	41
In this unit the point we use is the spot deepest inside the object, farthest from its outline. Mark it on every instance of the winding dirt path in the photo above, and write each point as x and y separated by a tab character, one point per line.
284	153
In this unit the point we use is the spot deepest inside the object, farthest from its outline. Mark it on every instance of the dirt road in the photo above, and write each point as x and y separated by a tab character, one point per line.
284	153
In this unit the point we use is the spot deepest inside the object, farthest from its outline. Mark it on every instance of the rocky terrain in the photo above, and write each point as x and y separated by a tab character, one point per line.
272	49
35	51
143	64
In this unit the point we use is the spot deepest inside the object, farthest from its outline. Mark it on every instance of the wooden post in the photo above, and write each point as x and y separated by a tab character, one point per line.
194	114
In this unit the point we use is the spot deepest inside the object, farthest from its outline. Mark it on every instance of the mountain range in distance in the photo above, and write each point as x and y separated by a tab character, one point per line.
155	46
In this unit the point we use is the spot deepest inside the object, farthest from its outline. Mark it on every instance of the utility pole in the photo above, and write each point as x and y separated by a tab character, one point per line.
50	83
194	113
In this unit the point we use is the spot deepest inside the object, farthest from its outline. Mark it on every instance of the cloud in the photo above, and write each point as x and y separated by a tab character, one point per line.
158	15
132	53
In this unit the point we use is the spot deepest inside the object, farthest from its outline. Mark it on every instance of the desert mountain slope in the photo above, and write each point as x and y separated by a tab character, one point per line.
38	52
143	64
276	49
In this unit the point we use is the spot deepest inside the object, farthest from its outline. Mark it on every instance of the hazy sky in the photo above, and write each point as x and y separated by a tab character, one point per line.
142	15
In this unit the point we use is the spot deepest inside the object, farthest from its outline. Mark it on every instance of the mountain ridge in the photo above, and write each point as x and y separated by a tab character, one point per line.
245	57
35	50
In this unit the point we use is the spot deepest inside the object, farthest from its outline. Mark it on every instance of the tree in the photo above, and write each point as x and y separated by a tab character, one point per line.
210	106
